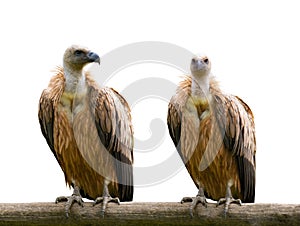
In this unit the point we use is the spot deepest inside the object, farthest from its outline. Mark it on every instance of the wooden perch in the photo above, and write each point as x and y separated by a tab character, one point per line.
136	213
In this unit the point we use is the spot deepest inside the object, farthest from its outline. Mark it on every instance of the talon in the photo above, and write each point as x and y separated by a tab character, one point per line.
195	201
70	200
61	199
191	212
186	199
97	201
102	213
220	202
116	200
105	199
227	201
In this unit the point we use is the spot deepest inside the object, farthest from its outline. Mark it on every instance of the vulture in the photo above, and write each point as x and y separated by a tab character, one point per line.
88	129
214	134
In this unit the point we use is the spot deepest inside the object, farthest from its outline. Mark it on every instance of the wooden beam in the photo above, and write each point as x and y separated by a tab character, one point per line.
136	213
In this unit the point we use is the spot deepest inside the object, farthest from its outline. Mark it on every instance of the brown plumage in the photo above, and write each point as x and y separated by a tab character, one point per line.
89	131
214	134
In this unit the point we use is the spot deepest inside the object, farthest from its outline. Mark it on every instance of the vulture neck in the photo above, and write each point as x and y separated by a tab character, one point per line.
200	87
75	81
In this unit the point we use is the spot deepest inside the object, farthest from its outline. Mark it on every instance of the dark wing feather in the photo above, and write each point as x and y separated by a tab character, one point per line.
113	122
174	124
175	121
235	117
46	119
47	105
246	160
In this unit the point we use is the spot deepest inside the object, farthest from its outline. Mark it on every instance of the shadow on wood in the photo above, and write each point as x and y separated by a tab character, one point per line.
136	213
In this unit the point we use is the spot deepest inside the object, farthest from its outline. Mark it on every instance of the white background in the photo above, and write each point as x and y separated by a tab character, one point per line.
255	52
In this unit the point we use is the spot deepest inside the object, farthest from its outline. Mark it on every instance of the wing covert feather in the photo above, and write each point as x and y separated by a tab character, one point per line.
113	123
47	107
236	119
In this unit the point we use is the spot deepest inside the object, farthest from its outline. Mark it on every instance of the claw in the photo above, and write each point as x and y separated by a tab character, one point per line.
200	198
196	200
228	200
186	199
75	198
110	199
106	198
61	199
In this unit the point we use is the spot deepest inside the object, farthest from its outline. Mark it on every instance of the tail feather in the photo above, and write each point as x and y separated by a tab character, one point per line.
125	177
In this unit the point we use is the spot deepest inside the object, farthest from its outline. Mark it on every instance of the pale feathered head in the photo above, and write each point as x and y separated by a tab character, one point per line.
200	66
76	57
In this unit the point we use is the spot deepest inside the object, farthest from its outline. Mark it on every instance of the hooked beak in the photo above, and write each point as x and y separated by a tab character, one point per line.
93	57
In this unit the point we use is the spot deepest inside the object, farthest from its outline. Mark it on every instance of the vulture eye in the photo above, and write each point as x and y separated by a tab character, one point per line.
206	60
78	52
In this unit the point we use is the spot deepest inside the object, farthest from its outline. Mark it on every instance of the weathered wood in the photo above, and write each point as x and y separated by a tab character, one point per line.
148	214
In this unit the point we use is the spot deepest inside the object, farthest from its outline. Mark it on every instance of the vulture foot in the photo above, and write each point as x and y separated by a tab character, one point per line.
200	198
227	201
75	197
105	200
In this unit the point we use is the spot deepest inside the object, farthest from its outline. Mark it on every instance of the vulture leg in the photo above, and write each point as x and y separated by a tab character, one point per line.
228	199
200	198
106	198
76	197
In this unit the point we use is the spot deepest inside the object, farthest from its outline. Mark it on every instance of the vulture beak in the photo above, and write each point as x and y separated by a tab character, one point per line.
93	57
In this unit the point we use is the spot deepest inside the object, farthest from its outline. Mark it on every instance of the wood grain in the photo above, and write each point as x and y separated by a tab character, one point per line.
136	213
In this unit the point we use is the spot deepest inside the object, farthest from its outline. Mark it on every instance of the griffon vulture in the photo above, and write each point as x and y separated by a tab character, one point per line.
214	134
89	131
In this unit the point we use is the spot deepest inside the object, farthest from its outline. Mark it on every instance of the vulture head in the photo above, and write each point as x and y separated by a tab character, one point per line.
200	66
76	57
